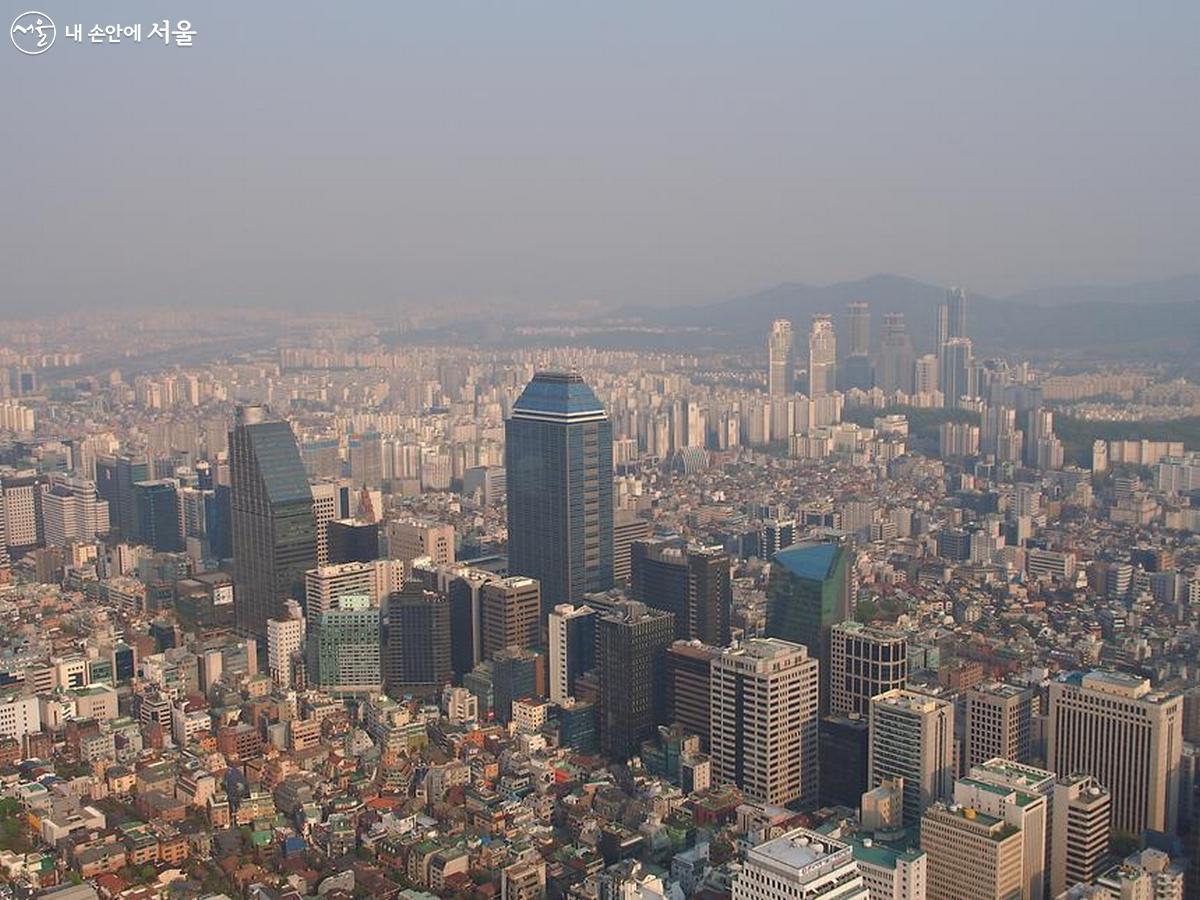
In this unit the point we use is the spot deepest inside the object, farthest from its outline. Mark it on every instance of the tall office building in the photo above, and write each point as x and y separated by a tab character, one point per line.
410	539
687	687
691	582
511	610
956	371
857	370
343	648
366	460
274	529
764	721
952	316
844	749
517	673
1022	797
415	636
890	872
632	641
1081	829
894	368
800	865
71	511
115	478
324	585
781	360
1114	727
864	661
999	723
970	854
822	357
331	502
558	456
572	648
156	515
774	535
285	642
912	737
628	527
808	592
352	540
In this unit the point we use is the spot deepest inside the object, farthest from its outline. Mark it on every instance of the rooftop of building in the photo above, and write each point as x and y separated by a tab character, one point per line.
1118	684
883	855
996	829
912	701
1019	775
559	394
812	561
802	852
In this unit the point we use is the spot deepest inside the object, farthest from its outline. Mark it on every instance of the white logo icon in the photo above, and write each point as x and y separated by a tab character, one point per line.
32	32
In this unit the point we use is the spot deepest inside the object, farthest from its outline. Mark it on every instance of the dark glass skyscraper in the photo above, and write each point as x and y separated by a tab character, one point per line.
691	582
115	478
808	592
274	529
416	641
156	515
631	654
558	457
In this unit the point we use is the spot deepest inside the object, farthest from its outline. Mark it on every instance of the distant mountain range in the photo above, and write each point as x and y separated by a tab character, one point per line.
1159	316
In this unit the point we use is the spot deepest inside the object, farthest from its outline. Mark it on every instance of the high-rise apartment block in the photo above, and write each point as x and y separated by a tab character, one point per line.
781	360
822	357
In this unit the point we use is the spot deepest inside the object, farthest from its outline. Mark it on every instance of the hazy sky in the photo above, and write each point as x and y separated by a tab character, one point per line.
569	152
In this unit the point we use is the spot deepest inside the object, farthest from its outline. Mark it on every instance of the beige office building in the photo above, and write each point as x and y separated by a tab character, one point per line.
912	737
411	539
1080	831
764	721
999	720
970	854
1114	727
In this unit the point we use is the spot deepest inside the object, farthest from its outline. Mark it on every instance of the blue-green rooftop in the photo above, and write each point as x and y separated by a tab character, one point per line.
809	561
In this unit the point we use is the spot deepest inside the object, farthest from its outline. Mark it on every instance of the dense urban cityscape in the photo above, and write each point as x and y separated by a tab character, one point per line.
542	450
354	614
